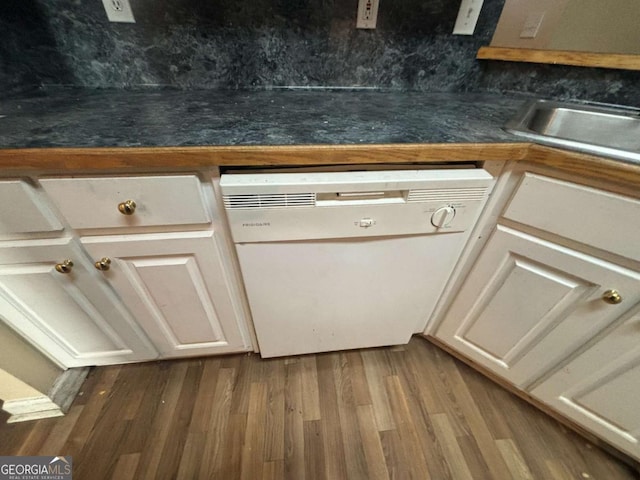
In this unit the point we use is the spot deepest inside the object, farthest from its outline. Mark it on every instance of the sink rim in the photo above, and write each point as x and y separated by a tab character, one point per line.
519	125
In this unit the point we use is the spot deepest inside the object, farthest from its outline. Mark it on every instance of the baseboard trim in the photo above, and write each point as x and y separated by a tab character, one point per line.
67	386
32	408
55	404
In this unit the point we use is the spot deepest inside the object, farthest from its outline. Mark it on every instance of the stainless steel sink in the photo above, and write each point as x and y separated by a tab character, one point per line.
607	130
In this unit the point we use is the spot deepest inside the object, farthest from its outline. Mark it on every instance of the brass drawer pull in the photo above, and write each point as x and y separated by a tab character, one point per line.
612	297
103	264
65	266
127	207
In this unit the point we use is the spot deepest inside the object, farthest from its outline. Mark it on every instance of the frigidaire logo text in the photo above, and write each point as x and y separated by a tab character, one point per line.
257	224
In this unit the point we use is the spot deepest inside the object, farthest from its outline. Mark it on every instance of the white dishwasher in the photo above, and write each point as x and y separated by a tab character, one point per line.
348	259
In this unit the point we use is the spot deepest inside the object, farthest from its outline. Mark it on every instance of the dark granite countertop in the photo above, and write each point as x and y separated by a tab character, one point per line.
121	118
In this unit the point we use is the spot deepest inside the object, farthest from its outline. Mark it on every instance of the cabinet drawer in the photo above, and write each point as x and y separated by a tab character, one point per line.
22	211
90	203
594	217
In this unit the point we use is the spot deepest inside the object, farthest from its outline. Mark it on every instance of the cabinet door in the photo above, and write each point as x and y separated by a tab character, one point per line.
599	388
528	303
176	287
72	317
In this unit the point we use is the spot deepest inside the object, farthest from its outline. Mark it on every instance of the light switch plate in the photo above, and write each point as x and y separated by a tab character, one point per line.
467	17
532	25
119	11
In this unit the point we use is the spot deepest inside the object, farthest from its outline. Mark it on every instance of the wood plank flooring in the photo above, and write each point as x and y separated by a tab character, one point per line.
410	412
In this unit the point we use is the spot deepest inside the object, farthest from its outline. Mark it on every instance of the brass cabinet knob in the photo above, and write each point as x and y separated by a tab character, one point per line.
127	207
612	296
65	266
103	264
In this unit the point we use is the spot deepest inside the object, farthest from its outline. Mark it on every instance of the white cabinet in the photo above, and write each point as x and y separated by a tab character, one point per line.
552	302
600	387
175	286
67	312
170	288
528	302
167	265
70	316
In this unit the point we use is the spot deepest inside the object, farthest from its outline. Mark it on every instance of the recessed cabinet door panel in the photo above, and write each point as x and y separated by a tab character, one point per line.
600	388
528	303
175	285
69	316
494	327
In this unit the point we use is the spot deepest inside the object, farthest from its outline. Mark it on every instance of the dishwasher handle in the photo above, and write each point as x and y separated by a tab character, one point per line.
360	194
361	198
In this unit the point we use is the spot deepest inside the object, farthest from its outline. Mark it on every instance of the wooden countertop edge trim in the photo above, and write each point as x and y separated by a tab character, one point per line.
562	57
584	165
60	160
93	159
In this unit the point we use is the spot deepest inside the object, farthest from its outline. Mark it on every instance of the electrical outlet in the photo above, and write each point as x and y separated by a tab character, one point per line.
119	11
367	13
531	25
467	17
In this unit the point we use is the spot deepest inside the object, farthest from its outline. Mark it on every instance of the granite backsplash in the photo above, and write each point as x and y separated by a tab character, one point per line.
236	44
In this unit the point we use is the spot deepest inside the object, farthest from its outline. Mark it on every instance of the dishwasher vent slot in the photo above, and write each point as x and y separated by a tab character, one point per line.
269	200
447	194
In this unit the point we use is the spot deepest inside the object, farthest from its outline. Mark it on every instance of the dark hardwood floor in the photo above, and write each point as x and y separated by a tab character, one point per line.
408	412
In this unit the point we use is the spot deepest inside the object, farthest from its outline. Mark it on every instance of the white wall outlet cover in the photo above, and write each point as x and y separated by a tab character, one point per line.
367	13
119	11
467	17
532	25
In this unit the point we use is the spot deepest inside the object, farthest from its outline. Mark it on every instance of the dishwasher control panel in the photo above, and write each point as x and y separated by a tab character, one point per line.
324	205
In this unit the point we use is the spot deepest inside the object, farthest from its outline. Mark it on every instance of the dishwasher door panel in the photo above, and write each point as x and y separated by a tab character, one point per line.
318	296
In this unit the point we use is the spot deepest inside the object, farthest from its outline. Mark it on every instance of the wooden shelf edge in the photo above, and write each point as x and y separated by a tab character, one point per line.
561	57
